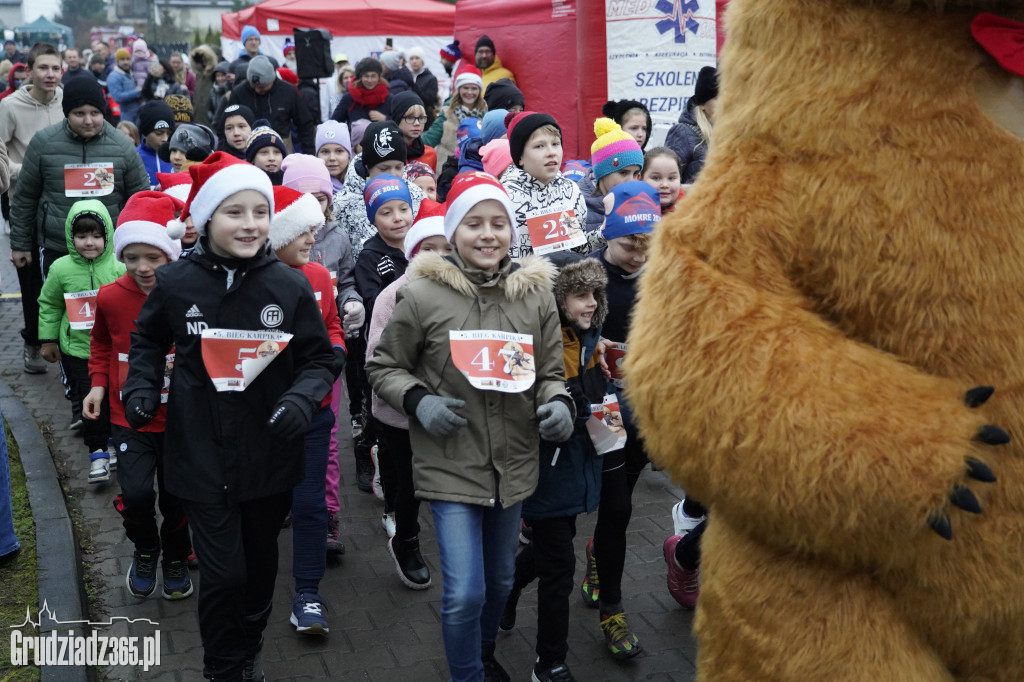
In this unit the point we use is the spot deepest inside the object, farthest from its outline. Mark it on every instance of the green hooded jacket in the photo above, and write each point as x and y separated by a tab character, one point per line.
73	274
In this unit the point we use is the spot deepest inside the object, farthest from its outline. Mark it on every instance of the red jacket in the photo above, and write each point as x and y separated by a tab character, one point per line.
320	278
117	307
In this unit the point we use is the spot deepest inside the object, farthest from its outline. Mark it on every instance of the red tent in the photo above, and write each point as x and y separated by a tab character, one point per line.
344	17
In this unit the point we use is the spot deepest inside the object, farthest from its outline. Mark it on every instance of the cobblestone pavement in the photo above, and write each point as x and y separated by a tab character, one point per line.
380	630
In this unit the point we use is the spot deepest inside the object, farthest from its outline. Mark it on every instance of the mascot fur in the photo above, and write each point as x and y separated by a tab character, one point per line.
812	322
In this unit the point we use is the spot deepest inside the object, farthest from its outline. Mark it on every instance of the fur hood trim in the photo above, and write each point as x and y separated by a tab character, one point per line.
524	277
203	60
583	275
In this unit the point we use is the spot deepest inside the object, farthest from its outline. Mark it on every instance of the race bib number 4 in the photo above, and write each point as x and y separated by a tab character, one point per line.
234	358
81	308
88	179
555	232
494	360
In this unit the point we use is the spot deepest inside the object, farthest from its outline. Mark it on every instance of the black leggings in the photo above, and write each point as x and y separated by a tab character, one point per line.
395	462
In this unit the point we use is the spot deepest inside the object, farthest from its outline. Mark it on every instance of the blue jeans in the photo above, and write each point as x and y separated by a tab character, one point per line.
309	507
8	540
478	554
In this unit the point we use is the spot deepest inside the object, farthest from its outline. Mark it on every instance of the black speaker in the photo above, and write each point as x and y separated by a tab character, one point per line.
313	53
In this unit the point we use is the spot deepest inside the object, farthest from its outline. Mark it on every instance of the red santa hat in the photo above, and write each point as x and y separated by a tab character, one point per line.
175	184
468	75
469	189
148	218
216	179
294	214
429	223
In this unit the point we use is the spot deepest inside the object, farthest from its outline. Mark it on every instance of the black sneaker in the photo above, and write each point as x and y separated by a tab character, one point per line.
177	582
508	616
412	570
559	672
364	471
253	670
334	543
141	578
493	672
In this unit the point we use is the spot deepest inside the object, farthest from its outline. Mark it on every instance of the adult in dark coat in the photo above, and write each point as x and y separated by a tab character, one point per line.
271	98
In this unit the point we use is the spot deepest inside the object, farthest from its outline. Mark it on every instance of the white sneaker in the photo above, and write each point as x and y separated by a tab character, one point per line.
113	462
387	522
378	489
99	467
683	524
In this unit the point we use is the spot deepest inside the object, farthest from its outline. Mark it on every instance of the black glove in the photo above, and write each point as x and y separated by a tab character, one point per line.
386	269
961	496
338	366
289	419
140	410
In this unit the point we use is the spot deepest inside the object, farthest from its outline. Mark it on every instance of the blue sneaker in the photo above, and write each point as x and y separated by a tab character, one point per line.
142	574
307	615
177	583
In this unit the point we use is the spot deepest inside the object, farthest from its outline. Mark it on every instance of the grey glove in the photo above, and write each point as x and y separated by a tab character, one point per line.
555	421
435	414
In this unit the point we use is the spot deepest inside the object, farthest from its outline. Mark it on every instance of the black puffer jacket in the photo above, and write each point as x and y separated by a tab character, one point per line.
218	447
282	107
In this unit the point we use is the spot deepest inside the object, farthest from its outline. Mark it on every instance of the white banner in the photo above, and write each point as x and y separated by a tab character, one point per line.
655	49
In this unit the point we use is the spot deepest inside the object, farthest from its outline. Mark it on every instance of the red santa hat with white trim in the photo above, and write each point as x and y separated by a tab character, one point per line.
177	185
429	223
148	218
295	212
469	189
217	178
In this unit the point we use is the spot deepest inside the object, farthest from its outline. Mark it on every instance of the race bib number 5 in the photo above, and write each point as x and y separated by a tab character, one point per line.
81	307
555	232
494	360
234	358
88	179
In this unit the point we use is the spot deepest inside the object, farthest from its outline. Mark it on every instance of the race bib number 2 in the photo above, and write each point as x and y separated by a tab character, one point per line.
88	179
555	232
494	360
81	307
234	358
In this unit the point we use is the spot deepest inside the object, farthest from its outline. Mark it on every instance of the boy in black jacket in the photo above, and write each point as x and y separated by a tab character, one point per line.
252	363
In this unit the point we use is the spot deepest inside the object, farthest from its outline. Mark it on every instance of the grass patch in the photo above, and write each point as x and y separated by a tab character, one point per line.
18	574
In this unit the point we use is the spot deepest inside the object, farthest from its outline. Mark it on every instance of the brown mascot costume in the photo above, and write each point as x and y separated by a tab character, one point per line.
844	281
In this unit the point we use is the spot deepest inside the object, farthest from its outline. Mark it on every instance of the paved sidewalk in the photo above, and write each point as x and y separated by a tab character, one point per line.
380	630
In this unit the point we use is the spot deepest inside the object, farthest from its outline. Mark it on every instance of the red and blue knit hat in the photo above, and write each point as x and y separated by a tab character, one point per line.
635	209
613	150
382	189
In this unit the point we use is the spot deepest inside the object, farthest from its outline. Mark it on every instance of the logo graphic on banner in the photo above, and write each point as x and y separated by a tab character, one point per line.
494	360
681	19
234	358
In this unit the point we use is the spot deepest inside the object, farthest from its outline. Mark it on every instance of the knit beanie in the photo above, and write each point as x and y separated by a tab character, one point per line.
616	110
381	189
503	94
429	223
155	115
493	124
139	47
469	189
196	141
383	141
469	154
403	102
79	92
416	51
222	67
176	185
418	169
367	65
575	170
706	88
522	127
122	53
332	132
295	212
484	41
392	59
181	106
613	150
289	46
249	32
236	110
263	135
216	179
305	173
469	128
636	210
496	157
468	75
359	130
260	70
148	218
451	52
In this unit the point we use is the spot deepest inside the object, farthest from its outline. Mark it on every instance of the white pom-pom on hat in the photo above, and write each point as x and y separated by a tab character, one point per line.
146	219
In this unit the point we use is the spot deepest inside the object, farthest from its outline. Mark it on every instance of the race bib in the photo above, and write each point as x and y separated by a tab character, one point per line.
605	426
81	308
334	282
122	373
234	358
494	360
615	356
557	231
88	179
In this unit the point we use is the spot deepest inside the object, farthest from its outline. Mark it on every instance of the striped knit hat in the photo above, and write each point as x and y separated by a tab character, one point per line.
613	150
